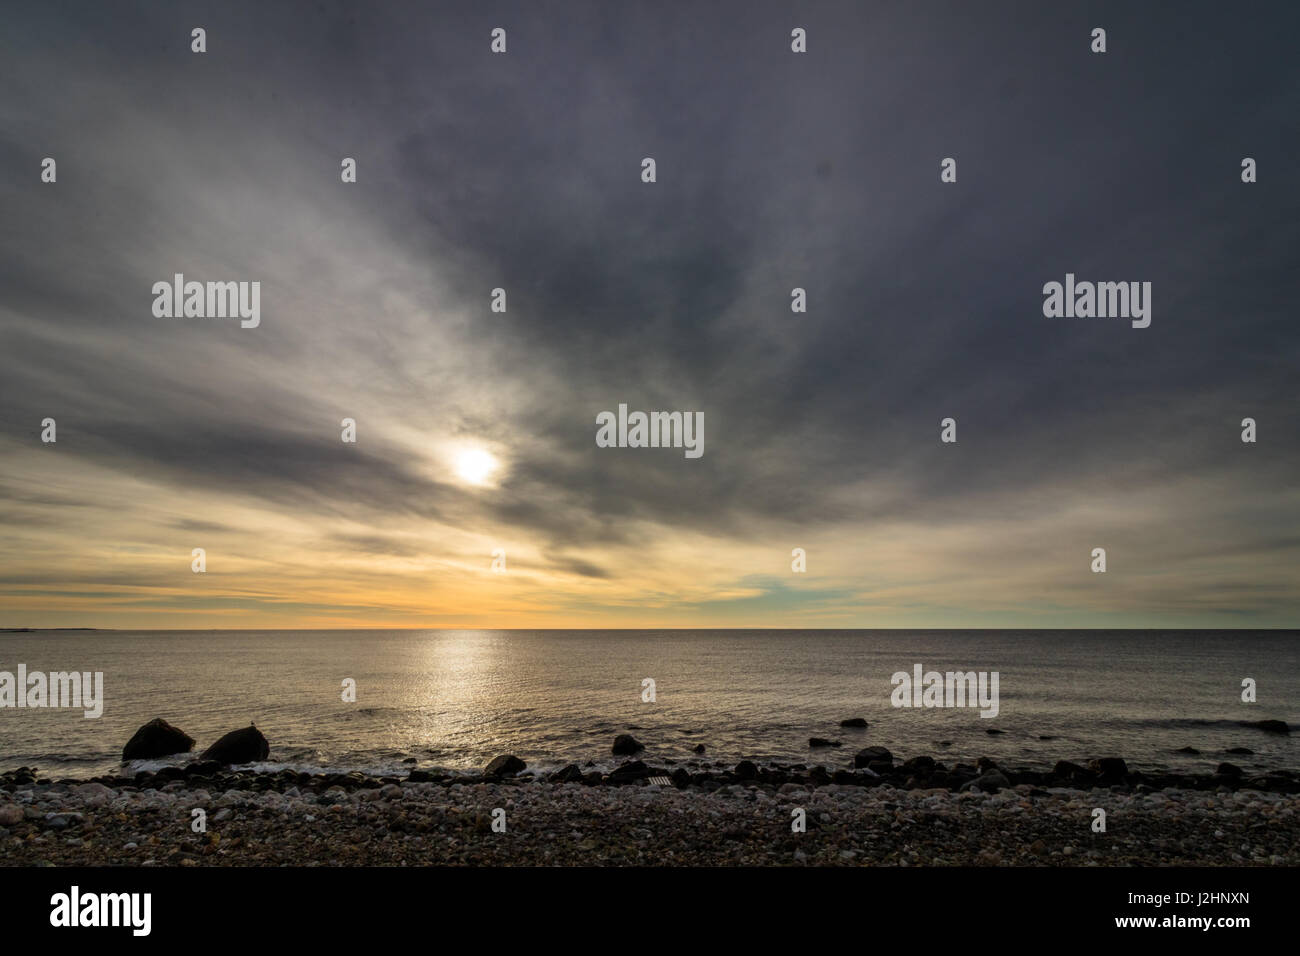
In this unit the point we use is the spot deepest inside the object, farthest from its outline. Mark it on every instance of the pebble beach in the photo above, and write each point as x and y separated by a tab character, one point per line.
256	818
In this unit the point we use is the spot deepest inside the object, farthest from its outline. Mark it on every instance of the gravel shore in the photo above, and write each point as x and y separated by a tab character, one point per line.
356	820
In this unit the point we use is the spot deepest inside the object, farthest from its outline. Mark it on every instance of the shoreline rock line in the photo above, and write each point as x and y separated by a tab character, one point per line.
921	772
870	766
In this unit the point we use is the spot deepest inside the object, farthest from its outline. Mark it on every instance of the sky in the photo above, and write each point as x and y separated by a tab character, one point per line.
774	170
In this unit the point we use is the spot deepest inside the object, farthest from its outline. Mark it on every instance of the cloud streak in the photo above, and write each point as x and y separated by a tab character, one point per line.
522	172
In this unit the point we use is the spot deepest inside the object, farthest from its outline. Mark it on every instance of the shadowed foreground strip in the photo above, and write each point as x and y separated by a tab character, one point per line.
416	824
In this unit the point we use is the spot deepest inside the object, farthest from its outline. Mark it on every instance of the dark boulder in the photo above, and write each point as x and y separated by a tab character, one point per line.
631	772
1243	751
202	768
994	730
1228	770
921	764
1187	750
989	782
822	742
1109	767
157	739
627	744
746	770
854	722
1065	768
506	765
698	748
869	755
239	746
570	774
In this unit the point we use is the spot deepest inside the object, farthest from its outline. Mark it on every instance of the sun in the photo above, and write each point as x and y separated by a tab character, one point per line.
475	466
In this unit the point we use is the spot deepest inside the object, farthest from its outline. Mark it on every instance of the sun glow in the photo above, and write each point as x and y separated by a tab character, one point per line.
475	466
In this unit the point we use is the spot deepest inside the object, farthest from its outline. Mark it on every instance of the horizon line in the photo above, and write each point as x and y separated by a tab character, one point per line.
20	630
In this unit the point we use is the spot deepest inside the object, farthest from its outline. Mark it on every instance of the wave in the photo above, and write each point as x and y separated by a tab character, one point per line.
1176	723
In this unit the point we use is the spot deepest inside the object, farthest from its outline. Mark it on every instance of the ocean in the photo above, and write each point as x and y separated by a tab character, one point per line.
455	699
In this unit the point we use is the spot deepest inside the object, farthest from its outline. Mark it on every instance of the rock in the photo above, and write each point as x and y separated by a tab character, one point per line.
1188	750
570	774
698	748
990	782
921	764
1245	751
1272	726
1110	767
994	730
746	770
1228	770
627	744
239	746
507	765
157	739
10	813
202	768
1064	768
854	722
822	742
630	772
93	794
870	755
681	778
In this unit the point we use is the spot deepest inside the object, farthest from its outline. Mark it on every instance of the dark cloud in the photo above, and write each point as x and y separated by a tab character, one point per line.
775	171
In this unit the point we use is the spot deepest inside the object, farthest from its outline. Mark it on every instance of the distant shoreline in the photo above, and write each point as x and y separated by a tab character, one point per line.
679	627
